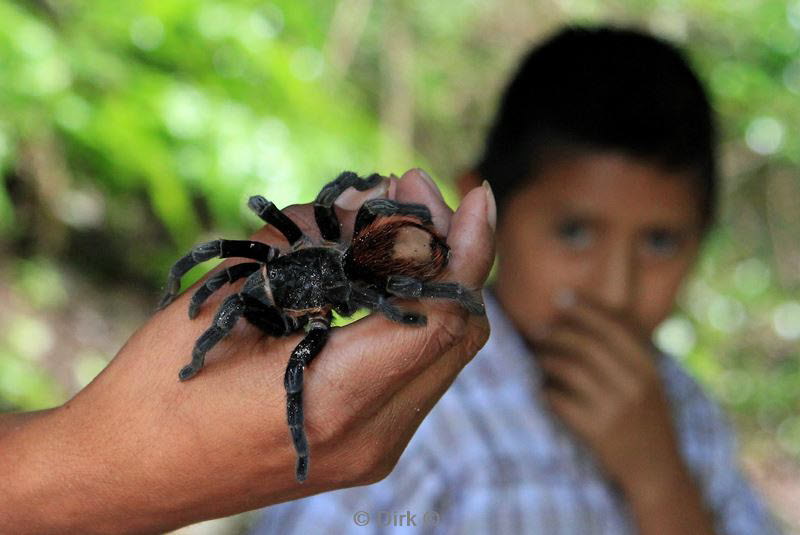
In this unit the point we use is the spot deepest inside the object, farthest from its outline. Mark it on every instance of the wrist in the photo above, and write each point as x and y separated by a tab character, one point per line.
653	476
670	502
653	489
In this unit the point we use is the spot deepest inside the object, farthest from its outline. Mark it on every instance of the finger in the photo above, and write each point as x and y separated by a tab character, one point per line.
580	345
574	378
568	409
351	199
416	186
616	332
471	239
302	215
347	210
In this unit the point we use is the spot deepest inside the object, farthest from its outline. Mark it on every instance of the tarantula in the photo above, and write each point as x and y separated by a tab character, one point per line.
394	252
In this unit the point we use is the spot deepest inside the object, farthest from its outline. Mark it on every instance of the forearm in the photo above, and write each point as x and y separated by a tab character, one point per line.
60	477
672	505
26	461
19	445
51	479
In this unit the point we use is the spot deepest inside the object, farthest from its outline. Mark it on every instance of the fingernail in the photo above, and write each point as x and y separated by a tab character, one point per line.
564	298
491	205
392	193
431	184
352	199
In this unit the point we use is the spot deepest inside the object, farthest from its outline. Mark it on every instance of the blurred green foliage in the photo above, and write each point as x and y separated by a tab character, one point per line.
128	132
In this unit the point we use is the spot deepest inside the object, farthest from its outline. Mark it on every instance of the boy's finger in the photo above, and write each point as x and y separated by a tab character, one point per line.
578	344
612	329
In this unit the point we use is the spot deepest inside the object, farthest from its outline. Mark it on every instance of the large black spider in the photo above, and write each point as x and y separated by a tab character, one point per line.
394	253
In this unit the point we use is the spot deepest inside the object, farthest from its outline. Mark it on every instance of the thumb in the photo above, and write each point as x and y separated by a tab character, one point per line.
471	238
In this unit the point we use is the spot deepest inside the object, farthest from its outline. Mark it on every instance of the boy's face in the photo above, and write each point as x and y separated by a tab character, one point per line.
614	229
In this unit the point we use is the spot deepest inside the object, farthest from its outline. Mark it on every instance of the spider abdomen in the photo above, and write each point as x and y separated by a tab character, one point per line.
396	246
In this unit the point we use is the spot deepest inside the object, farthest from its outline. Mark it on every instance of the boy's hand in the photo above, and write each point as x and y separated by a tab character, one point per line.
601	379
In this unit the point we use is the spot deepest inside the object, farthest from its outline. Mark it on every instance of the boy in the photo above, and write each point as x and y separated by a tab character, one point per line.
601	159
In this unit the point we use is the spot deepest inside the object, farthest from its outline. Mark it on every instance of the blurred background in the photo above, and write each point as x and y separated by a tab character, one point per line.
130	131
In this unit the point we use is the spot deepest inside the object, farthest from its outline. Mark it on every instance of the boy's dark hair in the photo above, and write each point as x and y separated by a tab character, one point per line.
607	89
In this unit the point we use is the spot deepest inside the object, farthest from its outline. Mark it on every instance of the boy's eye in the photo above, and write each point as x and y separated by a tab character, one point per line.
662	242
576	234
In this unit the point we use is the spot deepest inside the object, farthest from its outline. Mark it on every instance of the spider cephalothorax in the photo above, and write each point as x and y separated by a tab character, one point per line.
394	252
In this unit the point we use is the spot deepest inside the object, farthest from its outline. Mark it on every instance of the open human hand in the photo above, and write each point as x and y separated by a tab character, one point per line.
139	451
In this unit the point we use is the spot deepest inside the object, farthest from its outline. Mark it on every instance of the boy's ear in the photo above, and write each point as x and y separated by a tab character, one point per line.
467	181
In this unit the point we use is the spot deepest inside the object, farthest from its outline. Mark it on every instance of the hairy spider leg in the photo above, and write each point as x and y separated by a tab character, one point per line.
387	207
227	314
270	214
404	286
308	348
214	249
324	214
267	317
217	281
373	300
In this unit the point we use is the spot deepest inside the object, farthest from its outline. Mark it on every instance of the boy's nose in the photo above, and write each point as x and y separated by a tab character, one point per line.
614	280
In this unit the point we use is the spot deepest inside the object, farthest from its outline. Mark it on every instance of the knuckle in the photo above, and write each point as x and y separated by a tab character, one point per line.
383	465
446	330
324	432
476	335
409	356
637	392
376	449
373	465
644	383
331	426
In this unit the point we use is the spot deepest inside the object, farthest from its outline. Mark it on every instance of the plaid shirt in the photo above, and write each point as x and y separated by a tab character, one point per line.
491	458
